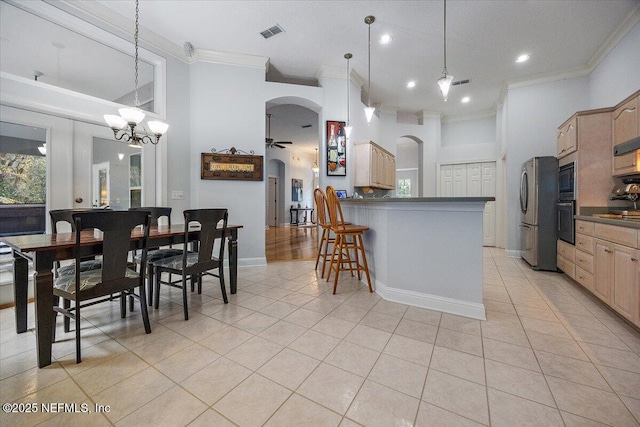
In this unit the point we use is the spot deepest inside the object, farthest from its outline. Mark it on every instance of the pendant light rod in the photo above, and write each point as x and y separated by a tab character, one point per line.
348	127
445	81
444	71
136	103
369	110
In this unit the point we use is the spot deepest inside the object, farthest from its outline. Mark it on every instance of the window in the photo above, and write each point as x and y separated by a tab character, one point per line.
404	187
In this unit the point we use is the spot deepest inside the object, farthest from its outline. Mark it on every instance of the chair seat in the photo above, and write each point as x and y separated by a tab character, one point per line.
88	279
350	229
92	264
158	254
175	262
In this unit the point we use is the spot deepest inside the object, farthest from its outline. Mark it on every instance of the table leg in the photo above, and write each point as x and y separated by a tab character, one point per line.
233	261
20	290
43	282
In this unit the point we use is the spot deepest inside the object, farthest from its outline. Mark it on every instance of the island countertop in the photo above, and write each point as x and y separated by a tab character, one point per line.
419	200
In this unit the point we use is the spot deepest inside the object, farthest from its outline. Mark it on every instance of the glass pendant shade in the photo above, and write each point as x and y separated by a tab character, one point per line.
368	111
115	122
157	127
132	115
43	149
445	83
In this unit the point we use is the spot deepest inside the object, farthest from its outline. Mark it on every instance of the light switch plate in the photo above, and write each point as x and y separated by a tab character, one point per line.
177	195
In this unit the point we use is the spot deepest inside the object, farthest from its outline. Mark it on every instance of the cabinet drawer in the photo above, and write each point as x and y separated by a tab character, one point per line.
584	243
584	278
567	267
584	227
567	251
584	261
622	235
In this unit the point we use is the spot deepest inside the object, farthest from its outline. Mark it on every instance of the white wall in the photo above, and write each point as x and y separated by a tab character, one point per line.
468	140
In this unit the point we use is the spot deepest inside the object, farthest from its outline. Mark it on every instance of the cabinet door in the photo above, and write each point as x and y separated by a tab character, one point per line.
375	161
489	179
561	142
603	262
571	141
624	293
459	180
625	122
390	167
474	180
446	181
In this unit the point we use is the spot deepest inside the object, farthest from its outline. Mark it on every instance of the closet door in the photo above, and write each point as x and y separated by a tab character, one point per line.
460	180
446	181
474	179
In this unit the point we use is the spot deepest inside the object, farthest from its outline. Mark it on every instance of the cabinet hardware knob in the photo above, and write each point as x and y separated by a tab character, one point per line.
607	250
634	259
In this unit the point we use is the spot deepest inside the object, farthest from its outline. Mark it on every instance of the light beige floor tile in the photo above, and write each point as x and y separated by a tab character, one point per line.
154	351
505	333
468	343
623	382
537	313
298	411
289	368
282	332
511	354
305	318
364	300
625	360
84	419
185	363
334	327
201	328
254	353
353	358
390	308
346	422
211	418
518	381
590	403
573	420
92	356
459	396
256	302
457	363
349	312
215	380
575	320
279	309
504	319
508	410
226	339
460	324
130	394
571	369
423	315
255	323
377	405
137	337
111	372
321	305
501	307
253	401
399	374
314	344
555	345
231	313
19	363
381	321
409	349
556	329
331	387
633	405
297	298
431	416
16	344
417	330
175	407
591	336
366	336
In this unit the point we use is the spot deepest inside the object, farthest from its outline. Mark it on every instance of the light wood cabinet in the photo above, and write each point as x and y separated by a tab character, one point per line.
626	126
603	264
568	137
375	167
624	292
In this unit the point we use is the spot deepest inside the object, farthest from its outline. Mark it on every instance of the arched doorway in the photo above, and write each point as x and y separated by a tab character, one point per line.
409	166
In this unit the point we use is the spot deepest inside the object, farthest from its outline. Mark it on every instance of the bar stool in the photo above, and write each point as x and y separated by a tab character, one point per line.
325	239
348	237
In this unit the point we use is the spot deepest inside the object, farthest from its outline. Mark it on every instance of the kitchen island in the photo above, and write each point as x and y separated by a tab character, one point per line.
424	251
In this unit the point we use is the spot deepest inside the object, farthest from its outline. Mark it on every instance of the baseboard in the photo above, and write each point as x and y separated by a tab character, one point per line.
252	262
513	254
432	302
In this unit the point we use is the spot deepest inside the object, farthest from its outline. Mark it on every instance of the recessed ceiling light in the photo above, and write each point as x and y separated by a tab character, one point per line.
385	39
523	58
465	99
411	84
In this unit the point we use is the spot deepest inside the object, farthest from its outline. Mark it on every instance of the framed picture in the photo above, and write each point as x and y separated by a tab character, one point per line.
296	190
238	167
336	149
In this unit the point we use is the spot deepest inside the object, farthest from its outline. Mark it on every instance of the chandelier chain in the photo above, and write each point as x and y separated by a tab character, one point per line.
136	103
445	38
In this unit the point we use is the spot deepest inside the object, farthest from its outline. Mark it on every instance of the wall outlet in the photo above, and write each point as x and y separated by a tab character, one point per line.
177	195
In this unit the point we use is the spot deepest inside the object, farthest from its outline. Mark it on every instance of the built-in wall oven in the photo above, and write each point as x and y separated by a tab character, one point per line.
566	203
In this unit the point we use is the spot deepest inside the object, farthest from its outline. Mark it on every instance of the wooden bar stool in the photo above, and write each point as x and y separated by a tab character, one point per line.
348	238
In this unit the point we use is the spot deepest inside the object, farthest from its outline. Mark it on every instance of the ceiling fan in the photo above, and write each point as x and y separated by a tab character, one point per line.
269	141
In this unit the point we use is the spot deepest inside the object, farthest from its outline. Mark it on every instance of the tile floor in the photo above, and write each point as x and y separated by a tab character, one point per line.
286	352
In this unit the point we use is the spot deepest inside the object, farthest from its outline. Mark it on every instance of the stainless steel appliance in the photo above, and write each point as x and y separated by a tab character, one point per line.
566	203
566	182
538	196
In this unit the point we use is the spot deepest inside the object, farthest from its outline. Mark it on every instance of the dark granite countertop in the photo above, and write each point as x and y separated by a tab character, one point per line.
420	200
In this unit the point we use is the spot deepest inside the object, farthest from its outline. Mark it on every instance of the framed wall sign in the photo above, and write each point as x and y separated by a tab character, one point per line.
238	167
336	149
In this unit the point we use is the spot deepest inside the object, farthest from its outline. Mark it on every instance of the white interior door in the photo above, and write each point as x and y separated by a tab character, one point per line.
272	202
474	179
446	181
460	180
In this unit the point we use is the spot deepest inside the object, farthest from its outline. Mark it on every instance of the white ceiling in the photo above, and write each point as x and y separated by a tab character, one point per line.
483	40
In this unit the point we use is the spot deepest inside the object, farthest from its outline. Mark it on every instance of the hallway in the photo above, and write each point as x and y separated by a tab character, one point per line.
291	243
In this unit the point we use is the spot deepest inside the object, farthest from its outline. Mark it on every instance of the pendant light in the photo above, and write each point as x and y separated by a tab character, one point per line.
133	116
348	128
369	110
316	168
445	81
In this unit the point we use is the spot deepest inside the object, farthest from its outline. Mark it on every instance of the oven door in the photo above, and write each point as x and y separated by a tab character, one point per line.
566	221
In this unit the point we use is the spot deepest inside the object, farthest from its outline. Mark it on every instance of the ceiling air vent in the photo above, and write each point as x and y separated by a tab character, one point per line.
273	31
460	82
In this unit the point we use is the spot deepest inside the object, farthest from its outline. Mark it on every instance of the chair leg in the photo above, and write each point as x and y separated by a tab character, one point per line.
123	305
150	271
184	296
340	247
320	252
144	309
66	304
157	285
77	313
223	288
336	241
199	284
364	263
56	303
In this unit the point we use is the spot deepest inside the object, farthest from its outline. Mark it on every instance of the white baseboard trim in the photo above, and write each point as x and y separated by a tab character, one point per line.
432	302
513	254
252	262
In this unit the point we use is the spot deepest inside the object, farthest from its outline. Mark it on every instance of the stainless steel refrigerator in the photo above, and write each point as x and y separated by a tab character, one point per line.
538	199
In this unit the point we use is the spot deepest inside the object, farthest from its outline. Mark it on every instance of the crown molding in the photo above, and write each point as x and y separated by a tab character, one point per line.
227	58
547	78
355	77
473	116
616	35
326	71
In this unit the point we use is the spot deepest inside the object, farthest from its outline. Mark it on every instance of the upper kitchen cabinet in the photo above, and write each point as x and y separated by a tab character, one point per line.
375	167
626	127
568	137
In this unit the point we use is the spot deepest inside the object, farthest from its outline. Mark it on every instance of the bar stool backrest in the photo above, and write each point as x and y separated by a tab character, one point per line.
321	206
335	210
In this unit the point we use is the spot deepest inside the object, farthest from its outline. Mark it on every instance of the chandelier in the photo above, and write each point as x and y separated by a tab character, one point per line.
369	110
445	81
316	168
131	117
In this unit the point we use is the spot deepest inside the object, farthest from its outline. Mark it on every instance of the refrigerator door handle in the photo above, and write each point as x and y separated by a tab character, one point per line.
524	191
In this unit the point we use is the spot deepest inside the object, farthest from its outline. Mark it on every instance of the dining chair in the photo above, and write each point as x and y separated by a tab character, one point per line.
194	264
348	238
159	253
114	276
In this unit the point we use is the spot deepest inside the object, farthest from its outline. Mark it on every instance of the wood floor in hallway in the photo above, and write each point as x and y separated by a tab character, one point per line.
291	243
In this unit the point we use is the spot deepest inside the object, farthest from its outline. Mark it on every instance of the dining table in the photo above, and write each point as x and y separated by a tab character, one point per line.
44	249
